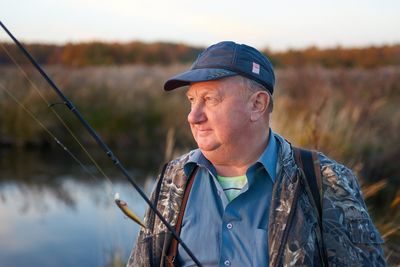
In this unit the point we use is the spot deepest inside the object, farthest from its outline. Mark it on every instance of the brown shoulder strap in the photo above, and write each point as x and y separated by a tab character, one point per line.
308	161
173	248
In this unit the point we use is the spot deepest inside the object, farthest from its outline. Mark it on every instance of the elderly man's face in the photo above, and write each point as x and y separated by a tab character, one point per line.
219	116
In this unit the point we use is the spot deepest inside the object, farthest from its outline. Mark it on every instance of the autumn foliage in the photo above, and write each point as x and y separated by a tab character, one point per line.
100	53
368	57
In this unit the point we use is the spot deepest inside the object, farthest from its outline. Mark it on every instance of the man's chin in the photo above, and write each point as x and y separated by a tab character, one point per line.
207	147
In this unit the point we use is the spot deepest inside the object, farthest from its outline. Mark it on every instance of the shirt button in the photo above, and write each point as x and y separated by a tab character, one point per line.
229	226
227	263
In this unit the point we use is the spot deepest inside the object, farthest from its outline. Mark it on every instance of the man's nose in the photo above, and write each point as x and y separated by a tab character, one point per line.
196	114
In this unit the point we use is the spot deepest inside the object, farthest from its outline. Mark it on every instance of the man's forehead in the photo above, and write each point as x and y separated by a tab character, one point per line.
204	88
216	86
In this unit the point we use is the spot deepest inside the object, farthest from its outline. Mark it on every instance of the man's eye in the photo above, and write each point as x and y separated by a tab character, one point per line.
211	100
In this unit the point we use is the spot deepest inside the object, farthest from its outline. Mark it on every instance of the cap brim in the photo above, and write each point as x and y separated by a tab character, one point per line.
196	75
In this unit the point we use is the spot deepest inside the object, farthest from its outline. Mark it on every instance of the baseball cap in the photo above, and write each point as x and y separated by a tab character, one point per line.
227	59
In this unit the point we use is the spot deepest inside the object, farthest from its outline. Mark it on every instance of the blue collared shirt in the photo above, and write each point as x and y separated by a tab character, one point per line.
223	233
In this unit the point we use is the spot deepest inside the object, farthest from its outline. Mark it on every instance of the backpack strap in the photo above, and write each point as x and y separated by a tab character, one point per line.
173	248
308	161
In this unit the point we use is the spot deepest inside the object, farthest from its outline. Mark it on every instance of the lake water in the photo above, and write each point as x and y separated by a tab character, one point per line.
54	214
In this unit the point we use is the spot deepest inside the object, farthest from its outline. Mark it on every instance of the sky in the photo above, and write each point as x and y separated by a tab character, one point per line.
277	25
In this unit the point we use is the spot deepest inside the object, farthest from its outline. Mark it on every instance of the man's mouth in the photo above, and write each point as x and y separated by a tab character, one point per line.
203	131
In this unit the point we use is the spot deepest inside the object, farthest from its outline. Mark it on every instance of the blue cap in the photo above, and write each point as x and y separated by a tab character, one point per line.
226	59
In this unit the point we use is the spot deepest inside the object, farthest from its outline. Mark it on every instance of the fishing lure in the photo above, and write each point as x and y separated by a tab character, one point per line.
125	209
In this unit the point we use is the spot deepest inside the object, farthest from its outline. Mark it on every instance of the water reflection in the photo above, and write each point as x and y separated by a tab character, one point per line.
52	214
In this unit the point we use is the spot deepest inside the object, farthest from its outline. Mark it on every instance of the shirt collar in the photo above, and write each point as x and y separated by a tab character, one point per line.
197	158
268	159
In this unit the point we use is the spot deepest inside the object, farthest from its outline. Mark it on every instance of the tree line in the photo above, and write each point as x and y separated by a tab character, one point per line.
102	53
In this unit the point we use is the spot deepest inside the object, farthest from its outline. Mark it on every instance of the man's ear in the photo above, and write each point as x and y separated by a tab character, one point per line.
259	104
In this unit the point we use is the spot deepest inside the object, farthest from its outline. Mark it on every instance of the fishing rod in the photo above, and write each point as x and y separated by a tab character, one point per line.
100	142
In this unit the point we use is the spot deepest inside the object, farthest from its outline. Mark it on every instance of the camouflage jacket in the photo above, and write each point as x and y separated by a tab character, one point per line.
349	237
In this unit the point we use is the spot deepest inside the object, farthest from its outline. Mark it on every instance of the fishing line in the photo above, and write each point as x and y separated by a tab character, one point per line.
46	129
50	105
110	184
109	188
36	119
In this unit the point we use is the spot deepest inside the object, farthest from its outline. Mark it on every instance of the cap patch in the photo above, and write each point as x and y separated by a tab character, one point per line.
256	68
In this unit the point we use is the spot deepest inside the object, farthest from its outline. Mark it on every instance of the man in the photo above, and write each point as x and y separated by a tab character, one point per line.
247	203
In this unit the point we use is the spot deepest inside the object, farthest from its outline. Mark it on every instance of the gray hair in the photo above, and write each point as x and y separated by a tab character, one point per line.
252	86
